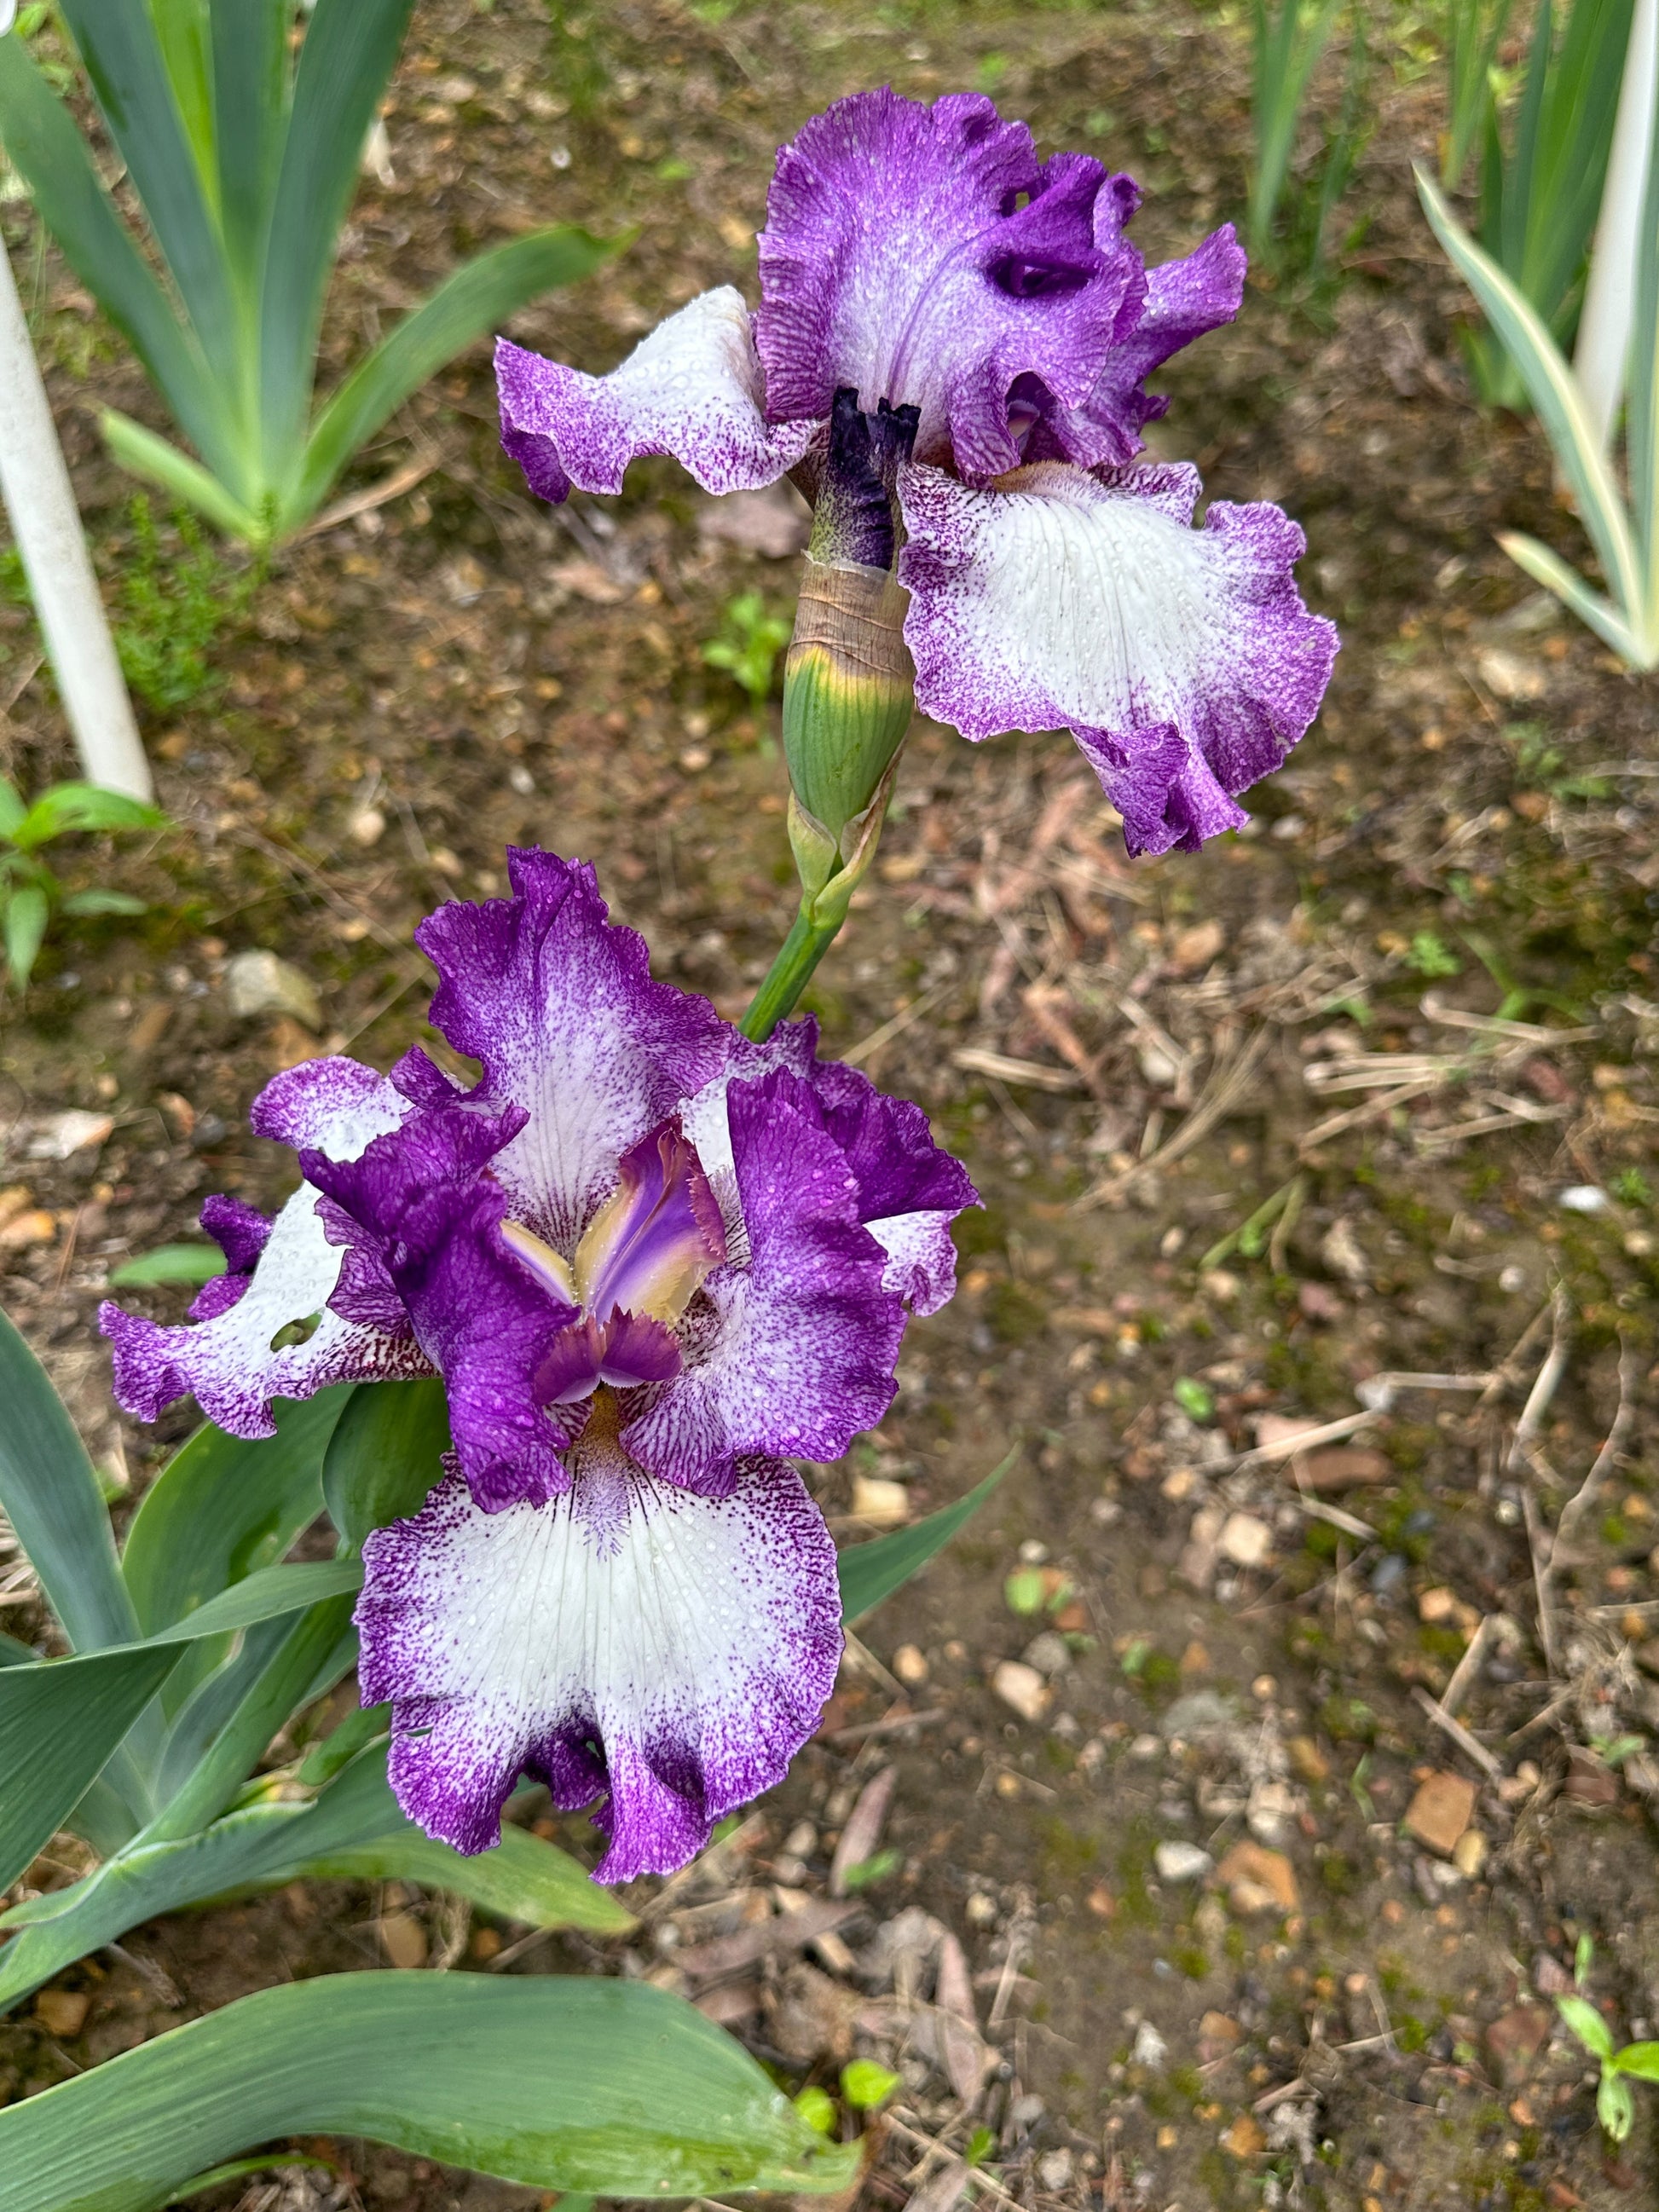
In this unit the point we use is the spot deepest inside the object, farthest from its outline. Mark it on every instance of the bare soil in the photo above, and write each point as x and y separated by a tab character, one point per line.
1357	2011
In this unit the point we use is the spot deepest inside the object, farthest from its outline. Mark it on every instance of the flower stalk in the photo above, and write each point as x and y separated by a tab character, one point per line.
849	695
850	685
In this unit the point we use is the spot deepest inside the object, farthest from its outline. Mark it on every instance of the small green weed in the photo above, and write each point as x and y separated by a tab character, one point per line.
1196	1400
1540	764
748	645
29	891
1030	1590
168	604
171	608
1431	957
1614	2105
865	2085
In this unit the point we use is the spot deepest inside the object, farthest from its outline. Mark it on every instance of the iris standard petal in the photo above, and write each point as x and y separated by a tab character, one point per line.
925	256
907	1188
669	1651
692	388
231	1358
1184	299
558	1004
910	1189
1183	661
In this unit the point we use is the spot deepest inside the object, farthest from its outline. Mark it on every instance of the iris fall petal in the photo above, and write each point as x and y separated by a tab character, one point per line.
668	1651
1183	661
692	387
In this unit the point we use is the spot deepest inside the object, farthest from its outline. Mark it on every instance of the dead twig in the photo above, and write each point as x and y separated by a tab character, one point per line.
32	665
1464	1672
1508	1368
1225	1091
1299	2087
867	1047
982	2179
1329	1432
514	1952
865	1661
1550	1555
1471	1745
148	1970
1544	1385
1375	1109
865	1731
1584	1498
1537	1541
1032	1073
1556	1705
376	494
1349	1523
1019	1942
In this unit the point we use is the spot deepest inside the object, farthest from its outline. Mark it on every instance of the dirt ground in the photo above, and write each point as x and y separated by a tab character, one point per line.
1241	1914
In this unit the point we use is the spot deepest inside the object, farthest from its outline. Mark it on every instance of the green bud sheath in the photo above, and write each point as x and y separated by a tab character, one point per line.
848	689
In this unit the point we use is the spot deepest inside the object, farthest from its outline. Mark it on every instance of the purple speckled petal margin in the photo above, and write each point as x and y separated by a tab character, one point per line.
793	1348
225	1358
242	1233
669	1652
1183	661
691	388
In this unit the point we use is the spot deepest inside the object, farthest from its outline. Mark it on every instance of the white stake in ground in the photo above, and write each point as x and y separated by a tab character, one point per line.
1603	348
46	523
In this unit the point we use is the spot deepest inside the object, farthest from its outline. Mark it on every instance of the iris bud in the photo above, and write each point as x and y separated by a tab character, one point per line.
848	688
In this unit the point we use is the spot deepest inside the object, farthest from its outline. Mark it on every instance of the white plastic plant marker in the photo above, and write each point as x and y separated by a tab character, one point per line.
36	486
1604	327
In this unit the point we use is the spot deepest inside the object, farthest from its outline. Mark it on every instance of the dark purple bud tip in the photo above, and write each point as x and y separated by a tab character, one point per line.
892	440
854	520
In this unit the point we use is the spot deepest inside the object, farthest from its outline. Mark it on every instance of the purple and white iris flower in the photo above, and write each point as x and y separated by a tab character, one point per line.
649	1259
984	312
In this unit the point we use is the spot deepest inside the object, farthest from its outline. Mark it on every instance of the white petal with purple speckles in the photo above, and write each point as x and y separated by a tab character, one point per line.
227	1362
692	388
673	1652
1183	661
921	1258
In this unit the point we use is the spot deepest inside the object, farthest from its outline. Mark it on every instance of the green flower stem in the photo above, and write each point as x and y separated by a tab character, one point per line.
848	695
788	976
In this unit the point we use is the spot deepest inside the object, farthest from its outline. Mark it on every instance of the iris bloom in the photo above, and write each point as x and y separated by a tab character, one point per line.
649	1259
983	313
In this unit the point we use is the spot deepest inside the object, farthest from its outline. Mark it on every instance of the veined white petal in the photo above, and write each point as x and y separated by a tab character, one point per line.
1181	659
669	1651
